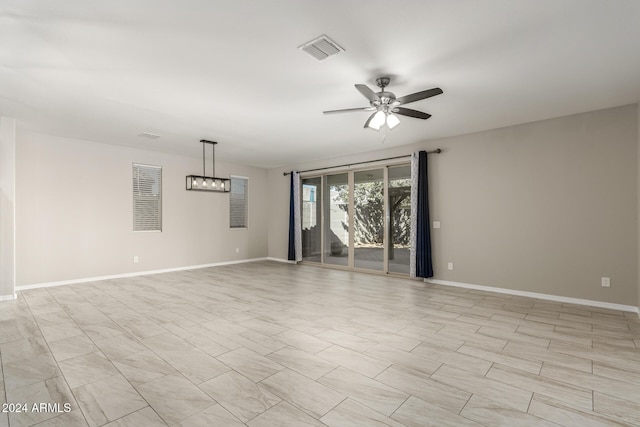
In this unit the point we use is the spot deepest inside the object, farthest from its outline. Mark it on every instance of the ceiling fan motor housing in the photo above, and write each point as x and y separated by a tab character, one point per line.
383	82
385	98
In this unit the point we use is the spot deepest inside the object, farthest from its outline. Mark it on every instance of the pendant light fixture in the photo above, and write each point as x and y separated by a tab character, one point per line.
208	183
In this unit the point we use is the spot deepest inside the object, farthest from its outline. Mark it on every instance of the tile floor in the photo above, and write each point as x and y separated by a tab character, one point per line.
266	344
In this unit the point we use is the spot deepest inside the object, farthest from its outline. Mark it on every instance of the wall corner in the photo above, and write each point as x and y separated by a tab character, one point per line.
7	208
638	206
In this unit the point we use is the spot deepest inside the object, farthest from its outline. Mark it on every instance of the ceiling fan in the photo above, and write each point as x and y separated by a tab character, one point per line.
385	105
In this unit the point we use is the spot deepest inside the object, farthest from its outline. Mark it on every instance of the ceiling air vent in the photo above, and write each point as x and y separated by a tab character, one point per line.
321	48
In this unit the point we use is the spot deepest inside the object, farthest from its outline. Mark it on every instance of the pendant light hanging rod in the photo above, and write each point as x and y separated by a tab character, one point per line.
213	156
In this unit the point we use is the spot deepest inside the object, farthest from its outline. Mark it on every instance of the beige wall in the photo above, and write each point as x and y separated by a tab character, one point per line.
7	207
547	207
74	212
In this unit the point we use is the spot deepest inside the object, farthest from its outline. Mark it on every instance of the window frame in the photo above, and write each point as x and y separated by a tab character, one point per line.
246	202
140	166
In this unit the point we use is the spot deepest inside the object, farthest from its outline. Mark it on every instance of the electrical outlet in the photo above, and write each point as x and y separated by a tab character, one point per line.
605	282
450	266
436	224
136	259
237	250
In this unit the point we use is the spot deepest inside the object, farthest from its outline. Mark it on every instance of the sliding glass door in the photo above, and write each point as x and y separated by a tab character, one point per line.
368	219
399	229
311	215
358	219
336	219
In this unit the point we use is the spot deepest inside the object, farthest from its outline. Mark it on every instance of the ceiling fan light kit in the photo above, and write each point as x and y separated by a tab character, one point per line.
377	120
386	106
392	121
203	182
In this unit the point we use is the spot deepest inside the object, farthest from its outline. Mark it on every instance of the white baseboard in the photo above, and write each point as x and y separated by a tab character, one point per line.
281	260
547	297
137	273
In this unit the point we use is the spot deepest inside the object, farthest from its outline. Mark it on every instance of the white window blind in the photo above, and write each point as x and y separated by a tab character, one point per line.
147	198
238	202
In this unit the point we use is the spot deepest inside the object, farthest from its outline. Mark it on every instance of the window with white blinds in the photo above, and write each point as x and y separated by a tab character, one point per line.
147	198
239	202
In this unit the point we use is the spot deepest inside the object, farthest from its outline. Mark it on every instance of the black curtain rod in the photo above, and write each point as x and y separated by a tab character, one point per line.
436	151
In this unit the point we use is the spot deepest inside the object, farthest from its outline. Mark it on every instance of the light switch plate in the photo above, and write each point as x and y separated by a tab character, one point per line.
436	224
450	266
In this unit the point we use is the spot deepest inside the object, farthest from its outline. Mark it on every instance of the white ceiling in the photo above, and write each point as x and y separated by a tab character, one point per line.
230	70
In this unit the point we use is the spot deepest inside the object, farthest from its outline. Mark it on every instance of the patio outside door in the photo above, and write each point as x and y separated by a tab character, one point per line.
399	226
358	219
368	219
311	216
336	219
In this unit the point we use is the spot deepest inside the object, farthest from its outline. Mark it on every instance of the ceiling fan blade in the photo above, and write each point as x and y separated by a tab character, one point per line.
367	93
411	113
348	110
418	96
366	124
